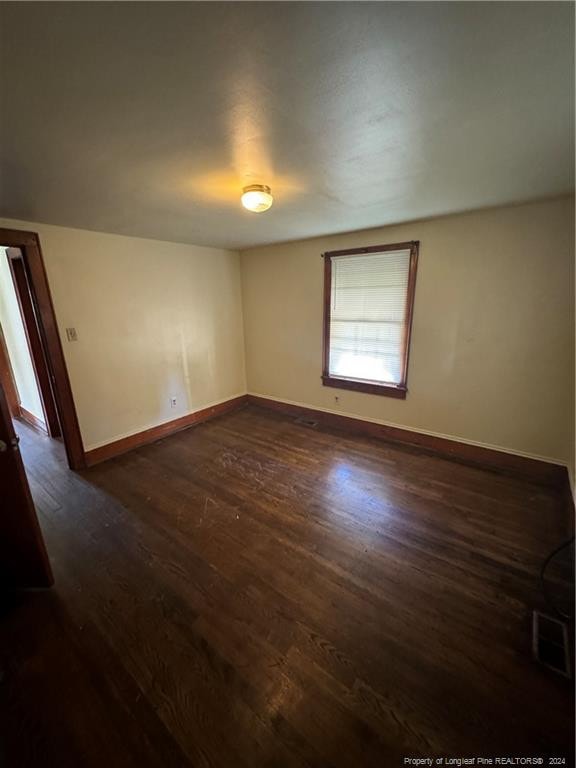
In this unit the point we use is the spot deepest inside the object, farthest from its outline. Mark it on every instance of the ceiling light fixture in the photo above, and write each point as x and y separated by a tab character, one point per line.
257	198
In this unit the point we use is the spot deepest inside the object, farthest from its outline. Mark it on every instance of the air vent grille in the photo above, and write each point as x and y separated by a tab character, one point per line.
307	422
550	643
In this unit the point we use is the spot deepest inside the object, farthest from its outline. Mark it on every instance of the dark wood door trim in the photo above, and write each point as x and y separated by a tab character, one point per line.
30	322
39	290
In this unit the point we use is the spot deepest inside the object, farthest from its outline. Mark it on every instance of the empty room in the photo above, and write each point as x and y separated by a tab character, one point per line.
287	384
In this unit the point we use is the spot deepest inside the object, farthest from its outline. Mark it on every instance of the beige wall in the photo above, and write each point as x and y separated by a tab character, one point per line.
492	357
16	342
155	320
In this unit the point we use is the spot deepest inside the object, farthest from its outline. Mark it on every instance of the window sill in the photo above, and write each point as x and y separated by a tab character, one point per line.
370	387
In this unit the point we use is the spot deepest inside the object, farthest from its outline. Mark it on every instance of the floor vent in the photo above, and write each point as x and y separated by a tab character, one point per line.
550	643
307	422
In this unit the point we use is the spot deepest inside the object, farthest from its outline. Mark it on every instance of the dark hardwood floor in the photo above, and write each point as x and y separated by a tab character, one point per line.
254	592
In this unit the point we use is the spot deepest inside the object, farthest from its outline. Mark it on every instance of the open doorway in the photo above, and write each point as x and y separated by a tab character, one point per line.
23	368
32	368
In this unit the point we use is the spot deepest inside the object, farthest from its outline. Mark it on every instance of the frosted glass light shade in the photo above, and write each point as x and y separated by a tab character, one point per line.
257	198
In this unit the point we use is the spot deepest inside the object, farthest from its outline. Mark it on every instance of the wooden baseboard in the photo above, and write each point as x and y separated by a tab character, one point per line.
108	451
31	420
542	472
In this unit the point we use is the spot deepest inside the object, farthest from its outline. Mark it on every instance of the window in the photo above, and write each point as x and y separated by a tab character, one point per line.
368	301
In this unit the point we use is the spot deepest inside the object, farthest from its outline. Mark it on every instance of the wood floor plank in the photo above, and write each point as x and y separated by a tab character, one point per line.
254	592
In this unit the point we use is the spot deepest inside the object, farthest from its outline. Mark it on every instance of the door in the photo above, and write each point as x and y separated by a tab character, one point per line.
23	558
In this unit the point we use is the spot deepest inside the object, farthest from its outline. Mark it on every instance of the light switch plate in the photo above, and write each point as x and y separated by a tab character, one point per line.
71	334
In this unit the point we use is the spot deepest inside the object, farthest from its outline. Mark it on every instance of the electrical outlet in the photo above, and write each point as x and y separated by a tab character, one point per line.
71	334
172	402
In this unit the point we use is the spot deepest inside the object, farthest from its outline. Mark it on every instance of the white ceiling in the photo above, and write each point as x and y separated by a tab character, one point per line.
148	118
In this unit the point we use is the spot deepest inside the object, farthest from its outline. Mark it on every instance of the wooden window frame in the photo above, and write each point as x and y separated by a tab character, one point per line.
360	385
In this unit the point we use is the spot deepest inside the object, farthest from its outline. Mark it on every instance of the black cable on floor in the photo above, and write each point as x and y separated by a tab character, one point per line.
545	564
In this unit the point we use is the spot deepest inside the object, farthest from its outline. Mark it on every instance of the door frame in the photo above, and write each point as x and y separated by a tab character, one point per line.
35	347
37	282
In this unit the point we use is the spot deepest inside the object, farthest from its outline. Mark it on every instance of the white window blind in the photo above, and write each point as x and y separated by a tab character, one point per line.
369	294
